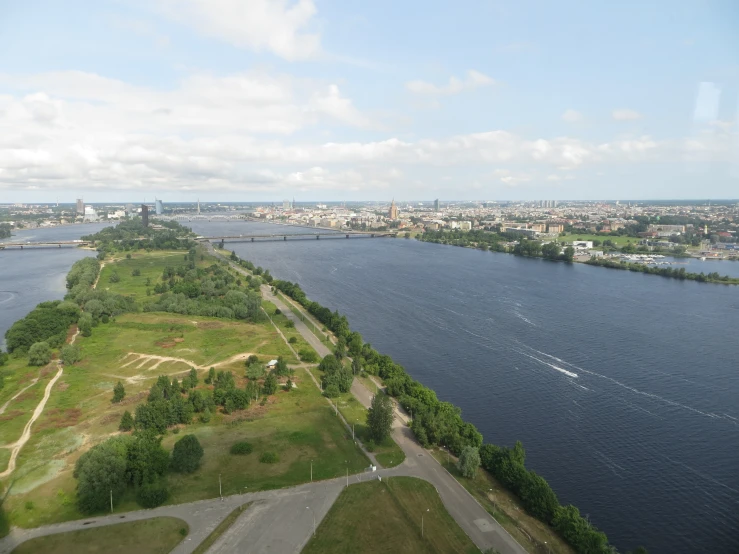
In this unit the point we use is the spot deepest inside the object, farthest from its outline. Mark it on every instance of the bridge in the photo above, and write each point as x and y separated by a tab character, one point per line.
43	244
296	236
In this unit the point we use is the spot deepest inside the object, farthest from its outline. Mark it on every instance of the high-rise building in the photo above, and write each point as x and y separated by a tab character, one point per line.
393	212
158	206
80	206
436	205
145	214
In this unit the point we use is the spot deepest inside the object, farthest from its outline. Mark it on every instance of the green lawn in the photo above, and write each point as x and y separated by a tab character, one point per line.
150	536
375	517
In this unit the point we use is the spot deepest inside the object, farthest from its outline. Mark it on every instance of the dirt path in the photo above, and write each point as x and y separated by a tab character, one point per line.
5	406
143	359
27	429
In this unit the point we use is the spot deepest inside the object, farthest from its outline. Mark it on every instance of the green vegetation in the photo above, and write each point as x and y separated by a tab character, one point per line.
469	461
223	526
187	454
130	236
119	393
70	354
380	418
673	273
149	536
48	322
39	354
337	378
385	516
269	458
4	230
242	448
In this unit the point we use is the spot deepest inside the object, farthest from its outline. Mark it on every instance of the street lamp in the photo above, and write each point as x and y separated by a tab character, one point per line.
314	519
422	514
311	471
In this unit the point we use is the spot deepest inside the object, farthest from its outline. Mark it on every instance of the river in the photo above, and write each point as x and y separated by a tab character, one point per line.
623	387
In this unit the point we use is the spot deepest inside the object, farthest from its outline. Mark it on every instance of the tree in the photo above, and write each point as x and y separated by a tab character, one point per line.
380	417
270	384
126	422
469	461
84	324
99	471
289	385
187	454
119	393
281	369
211	376
39	354
569	254
193	378
70	354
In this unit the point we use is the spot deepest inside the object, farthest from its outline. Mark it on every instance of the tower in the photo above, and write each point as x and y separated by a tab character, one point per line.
198	206
393	212
145	214
436	205
80	206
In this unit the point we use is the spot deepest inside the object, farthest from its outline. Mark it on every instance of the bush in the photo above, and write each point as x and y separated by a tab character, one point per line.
136	273
70	354
292	340
115	278
308	356
187	454
241	448
269	458
126	422
39	354
151	495
469	461
289	324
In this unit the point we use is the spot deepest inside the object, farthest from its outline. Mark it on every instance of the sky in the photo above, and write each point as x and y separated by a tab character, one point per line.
260	100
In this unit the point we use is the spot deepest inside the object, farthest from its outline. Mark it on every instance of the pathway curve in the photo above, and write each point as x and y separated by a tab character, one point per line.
24	389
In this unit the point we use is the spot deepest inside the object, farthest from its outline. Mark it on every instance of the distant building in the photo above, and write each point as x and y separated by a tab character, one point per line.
555	228
159	207
286	204
436	205
539	227
80	206
90	214
520	231
145	214
393	212
465	226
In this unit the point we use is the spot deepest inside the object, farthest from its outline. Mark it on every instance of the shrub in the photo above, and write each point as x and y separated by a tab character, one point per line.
469	461
115	278
269	458
70	354
307	355
187	454
39	354
289	324
277	311
241	448
136	272
151	495
119	393
292	340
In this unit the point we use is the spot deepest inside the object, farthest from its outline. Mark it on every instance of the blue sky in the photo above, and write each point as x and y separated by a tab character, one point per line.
257	100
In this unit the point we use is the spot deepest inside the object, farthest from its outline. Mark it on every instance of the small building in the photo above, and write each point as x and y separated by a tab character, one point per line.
556	228
272	364
465	226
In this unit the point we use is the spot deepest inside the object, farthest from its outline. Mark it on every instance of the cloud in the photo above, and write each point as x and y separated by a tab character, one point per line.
277	26
78	131
625	114
572	116
139	27
474	80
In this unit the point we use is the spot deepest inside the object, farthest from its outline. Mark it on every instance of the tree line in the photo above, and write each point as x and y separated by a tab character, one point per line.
133	235
4	230
669	272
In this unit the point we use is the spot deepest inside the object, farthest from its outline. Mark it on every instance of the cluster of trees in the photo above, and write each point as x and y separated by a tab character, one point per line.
256	270
337	378
166	405
670	272
133	235
137	462
207	292
508	466
380	418
486	240
4	230
48	323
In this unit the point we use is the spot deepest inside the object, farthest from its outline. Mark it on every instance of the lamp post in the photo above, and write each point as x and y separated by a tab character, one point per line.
422	514
220	487
314	519
311	471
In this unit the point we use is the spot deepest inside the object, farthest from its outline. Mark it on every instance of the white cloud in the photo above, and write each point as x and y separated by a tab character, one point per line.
625	114
80	131
572	116
474	80
277	26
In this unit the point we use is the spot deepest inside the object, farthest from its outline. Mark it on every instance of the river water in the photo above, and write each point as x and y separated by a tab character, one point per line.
623	387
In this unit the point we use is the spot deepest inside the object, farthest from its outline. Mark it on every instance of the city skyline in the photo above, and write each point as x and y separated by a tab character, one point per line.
320	99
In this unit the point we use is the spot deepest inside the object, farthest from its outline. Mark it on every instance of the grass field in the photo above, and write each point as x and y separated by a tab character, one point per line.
150	536
375	517
532	534
218	531
135	348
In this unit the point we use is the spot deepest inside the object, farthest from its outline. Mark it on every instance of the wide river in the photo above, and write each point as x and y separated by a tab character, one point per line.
623	387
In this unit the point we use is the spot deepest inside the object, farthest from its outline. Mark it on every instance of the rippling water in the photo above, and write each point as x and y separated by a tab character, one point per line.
623	387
